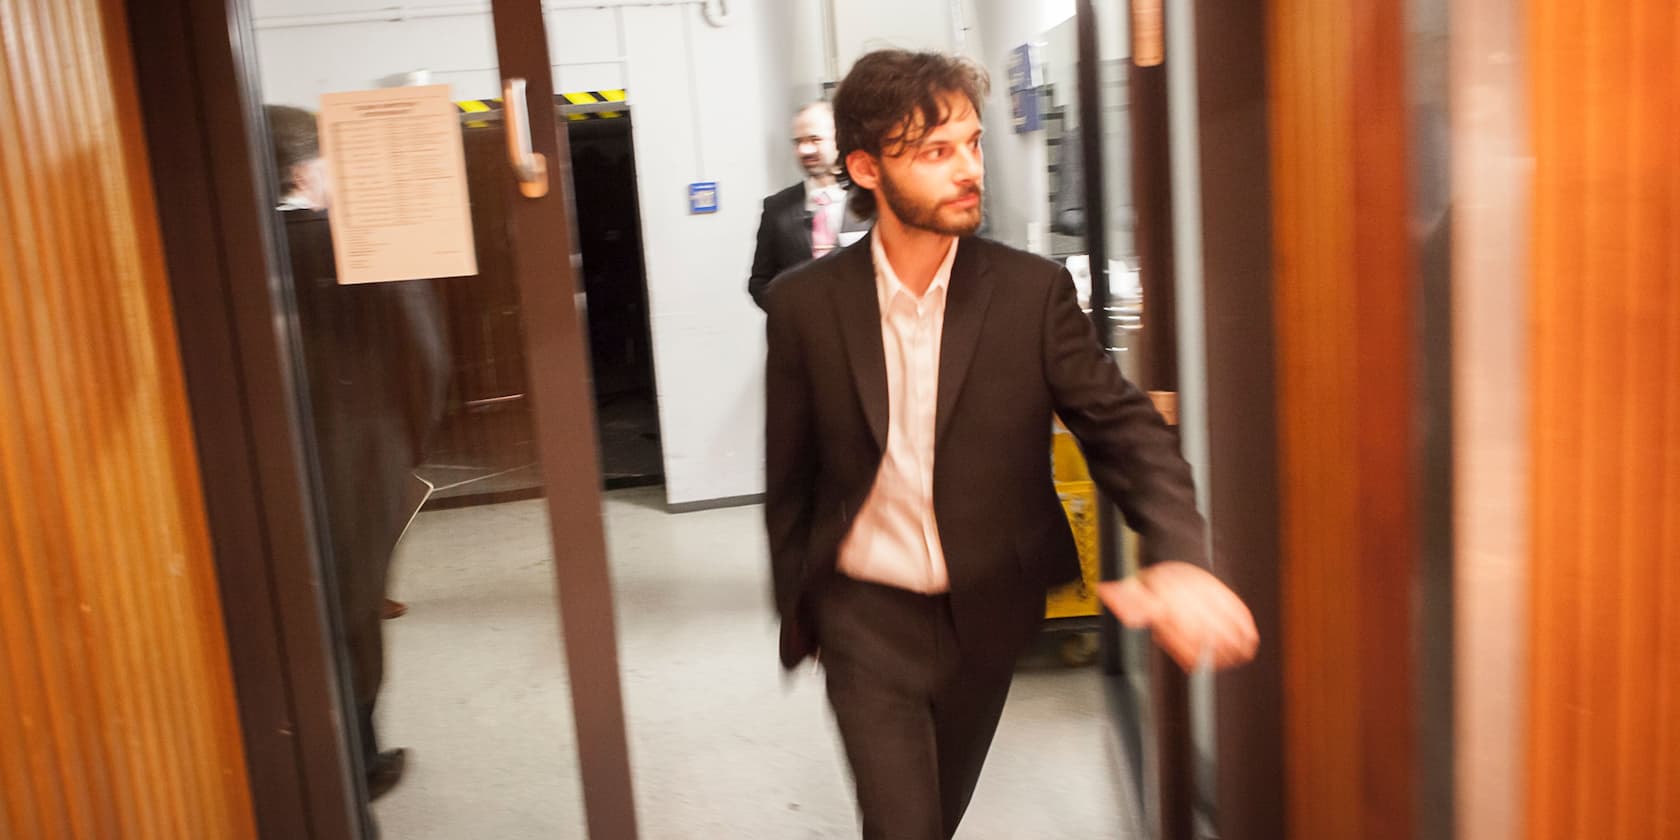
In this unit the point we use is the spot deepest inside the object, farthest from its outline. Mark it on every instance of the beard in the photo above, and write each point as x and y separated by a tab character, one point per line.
932	214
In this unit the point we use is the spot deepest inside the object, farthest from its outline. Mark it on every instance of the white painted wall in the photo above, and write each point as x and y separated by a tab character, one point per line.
1017	165
864	25
300	62
708	344
1061	66
708	337
791	35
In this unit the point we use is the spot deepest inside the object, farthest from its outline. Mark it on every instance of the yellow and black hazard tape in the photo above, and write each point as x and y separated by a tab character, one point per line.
580	105
591	104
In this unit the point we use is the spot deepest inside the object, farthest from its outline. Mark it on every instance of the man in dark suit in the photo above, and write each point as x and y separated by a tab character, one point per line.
808	219
377	363
913	521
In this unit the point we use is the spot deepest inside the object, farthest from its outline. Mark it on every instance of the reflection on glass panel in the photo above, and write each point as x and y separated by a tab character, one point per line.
437	535
660	100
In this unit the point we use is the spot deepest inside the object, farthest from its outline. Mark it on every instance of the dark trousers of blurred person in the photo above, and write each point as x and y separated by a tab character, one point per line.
377	360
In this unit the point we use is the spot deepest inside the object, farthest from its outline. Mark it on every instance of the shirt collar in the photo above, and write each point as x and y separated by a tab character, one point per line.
887	284
833	191
296	201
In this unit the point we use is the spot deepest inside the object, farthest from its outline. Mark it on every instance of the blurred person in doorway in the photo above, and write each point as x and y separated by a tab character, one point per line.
377	362
913	522
809	219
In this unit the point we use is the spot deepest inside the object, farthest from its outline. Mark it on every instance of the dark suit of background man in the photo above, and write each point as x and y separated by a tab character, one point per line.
914	526
377	362
808	219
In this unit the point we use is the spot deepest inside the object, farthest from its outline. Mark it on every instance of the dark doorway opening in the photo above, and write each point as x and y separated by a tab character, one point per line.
486	449
615	282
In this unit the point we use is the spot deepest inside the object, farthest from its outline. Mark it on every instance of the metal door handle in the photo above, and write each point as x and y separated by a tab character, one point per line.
531	168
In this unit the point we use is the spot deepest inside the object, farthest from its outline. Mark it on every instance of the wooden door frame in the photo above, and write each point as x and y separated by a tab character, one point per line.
1234	141
557	358
201	124
196	72
1172	751
1407	237
1168	746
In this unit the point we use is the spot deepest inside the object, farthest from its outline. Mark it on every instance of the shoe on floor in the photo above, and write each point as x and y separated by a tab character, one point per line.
386	772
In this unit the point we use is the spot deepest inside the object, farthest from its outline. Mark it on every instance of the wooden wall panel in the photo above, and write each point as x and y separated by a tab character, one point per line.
1237	256
1345	318
1312	213
117	715
1603	738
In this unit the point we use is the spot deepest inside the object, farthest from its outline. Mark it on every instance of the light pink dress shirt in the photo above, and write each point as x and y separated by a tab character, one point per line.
894	539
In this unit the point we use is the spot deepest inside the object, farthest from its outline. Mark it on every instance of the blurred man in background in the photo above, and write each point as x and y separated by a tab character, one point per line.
377	362
808	219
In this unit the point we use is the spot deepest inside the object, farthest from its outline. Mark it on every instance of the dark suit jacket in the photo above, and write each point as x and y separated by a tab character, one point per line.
784	238
377	364
1016	350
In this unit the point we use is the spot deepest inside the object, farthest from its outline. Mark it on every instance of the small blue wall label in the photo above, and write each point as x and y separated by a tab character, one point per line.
1024	90
702	197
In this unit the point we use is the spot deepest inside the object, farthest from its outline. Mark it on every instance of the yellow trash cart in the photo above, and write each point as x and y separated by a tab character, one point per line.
1071	611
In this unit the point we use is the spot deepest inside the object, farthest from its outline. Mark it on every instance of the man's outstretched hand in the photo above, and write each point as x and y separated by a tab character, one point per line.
1193	616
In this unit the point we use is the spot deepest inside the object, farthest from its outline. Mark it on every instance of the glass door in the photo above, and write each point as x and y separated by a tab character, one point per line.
420	192
1139	315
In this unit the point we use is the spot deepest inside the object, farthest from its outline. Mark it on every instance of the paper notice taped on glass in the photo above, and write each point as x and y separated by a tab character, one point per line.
399	181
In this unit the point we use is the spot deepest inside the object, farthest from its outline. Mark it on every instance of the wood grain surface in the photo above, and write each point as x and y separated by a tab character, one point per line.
1603	734
117	715
1344	317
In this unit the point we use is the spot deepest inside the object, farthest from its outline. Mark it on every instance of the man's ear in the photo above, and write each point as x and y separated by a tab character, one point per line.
864	169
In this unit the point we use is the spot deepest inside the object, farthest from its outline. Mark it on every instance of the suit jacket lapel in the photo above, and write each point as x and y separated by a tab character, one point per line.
858	306
966	299
800	222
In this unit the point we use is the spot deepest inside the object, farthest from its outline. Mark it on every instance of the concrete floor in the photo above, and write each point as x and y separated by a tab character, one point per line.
723	744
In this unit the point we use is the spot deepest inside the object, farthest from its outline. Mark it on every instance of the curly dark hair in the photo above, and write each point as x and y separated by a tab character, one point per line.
877	105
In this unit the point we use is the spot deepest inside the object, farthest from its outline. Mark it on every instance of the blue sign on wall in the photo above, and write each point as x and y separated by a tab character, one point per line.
1025	111
1024	90
1021	75
702	197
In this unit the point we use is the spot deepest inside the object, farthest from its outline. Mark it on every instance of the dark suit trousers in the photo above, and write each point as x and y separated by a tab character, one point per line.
915	718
